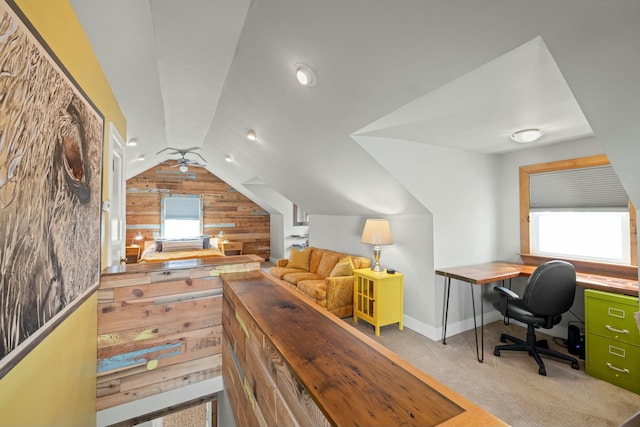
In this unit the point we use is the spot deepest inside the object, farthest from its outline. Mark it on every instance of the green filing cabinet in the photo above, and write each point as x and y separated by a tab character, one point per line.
612	338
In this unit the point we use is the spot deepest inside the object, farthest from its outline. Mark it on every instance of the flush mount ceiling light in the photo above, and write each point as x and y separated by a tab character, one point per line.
526	135
228	158
251	135
183	168
132	142
305	75
140	157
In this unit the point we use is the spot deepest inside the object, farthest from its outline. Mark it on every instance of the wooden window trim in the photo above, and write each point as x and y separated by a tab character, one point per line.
617	270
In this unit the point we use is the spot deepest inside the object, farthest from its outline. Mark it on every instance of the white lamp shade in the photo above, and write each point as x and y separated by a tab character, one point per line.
376	232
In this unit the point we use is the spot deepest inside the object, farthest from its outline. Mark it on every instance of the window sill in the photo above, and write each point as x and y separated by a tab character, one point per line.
621	271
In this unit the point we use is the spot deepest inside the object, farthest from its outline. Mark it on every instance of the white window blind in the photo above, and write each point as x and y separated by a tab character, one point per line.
184	208
592	187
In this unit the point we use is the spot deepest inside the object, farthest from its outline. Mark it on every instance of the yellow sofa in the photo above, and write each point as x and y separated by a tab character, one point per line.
326	277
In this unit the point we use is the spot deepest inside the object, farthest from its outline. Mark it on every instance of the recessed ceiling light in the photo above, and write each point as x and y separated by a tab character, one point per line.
228	158
251	134
526	135
305	74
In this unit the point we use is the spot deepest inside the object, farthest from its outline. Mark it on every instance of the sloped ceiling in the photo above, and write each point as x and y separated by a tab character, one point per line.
463	74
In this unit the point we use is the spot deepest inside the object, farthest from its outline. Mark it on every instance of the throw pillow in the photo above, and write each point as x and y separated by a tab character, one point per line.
299	259
343	268
329	260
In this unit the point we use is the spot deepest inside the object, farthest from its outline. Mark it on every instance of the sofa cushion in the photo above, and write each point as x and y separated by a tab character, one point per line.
344	267
316	289
299	259
280	272
329	260
314	260
298	276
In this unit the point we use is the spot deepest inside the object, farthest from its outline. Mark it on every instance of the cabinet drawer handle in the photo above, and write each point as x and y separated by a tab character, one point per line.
625	370
620	331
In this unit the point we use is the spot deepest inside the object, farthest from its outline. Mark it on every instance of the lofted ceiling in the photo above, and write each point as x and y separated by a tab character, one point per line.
462	74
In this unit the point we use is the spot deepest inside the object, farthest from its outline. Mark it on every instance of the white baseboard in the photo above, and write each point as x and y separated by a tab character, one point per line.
435	333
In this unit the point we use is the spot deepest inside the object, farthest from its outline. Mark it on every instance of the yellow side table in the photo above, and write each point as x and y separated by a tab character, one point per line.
377	297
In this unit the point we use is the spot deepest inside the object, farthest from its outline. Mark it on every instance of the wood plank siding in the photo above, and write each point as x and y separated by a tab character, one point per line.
160	326
224	208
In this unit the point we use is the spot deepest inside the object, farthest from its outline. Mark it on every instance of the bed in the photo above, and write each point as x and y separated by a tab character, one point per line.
162	250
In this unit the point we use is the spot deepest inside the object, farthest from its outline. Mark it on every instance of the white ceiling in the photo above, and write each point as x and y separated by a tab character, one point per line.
463	74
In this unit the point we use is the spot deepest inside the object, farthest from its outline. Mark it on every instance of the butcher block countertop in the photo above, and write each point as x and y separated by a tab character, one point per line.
351	378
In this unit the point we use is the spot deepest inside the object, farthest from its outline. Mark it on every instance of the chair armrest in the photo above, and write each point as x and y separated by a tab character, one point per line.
508	293
283	262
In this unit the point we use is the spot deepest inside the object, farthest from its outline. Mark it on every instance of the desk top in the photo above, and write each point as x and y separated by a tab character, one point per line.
490	272
352	378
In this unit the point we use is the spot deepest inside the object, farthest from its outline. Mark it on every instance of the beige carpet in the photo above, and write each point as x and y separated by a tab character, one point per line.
196	416
509	386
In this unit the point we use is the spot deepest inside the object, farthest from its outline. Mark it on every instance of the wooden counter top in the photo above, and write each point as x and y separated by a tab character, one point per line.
180	264
352	379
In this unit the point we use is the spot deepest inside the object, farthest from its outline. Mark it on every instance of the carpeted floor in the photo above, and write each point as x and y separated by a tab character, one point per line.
509	386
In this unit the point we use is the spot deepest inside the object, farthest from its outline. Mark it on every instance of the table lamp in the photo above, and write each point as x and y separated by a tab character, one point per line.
376	232
138	237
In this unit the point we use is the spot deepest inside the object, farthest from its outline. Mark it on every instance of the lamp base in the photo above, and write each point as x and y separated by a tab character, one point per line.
376	257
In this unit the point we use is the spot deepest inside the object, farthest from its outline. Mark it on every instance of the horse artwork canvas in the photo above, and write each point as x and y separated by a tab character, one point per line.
51	140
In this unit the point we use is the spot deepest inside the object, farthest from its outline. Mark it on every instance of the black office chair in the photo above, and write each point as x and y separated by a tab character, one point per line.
548	294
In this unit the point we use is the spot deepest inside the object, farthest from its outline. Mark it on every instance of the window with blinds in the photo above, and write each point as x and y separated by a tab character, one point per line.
181	216
580	213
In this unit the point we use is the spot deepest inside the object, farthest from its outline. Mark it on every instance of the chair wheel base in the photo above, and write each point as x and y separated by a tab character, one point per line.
542	371
496	353
575	365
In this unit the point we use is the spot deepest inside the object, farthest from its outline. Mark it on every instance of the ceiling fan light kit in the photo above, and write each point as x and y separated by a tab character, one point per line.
183	162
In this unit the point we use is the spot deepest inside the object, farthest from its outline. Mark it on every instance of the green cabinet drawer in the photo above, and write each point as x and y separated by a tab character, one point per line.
613	361
611	315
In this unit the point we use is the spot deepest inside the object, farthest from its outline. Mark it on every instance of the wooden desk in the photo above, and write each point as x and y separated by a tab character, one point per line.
491	272
287	357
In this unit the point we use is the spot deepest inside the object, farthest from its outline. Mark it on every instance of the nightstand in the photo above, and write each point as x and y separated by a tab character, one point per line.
132	254
234	247
377	297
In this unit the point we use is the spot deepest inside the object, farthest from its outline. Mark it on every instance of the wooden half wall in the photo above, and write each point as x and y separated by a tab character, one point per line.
225	208
160	326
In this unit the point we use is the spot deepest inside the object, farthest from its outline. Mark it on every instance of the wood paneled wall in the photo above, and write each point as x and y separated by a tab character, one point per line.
224	207
160	327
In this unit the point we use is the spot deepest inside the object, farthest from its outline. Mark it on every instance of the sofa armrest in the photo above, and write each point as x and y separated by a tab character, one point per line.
283	262
339	291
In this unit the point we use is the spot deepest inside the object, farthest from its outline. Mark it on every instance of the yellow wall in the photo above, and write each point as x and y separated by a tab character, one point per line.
55	383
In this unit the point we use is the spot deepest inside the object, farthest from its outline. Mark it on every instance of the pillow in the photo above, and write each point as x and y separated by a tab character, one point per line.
181	245
328	261
206	242
344	267
299	259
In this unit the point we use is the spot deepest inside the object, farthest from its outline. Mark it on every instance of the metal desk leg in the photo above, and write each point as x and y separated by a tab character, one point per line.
445	311
475	325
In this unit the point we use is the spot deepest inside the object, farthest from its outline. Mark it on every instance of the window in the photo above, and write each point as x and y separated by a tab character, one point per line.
181	216
576	209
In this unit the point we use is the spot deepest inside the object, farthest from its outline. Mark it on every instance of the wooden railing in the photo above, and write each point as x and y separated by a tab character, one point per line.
160	326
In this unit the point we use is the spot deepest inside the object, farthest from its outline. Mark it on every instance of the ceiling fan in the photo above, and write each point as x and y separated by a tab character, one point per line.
183	162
